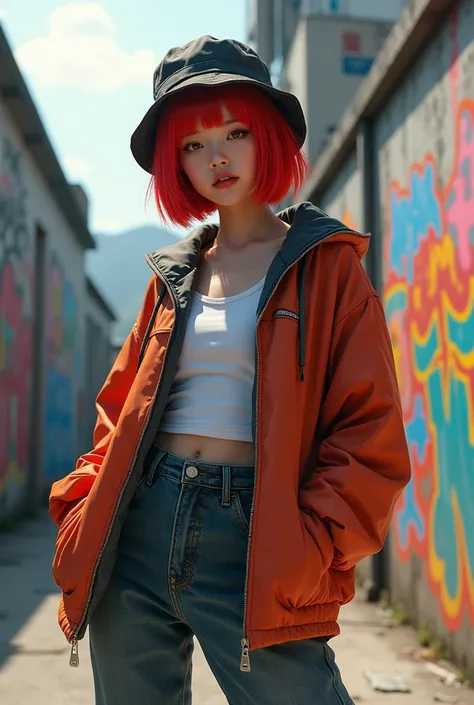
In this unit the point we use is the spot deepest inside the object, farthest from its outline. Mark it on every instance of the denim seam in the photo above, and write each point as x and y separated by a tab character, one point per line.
196	537
239	513
169	475
177	605
333	672
172	587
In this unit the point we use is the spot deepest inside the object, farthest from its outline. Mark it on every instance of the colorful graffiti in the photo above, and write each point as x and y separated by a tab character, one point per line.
429	299
15	321
62	413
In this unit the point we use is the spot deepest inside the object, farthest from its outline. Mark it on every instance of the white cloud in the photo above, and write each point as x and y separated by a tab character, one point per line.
81	49
108	226
76	167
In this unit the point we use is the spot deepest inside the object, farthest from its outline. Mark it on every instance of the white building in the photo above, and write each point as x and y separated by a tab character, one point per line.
272	23
44	299
320	50
326	63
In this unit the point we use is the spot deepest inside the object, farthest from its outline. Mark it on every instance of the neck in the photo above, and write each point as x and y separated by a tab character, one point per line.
249	222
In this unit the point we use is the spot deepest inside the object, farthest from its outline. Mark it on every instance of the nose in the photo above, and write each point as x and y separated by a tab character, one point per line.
218	160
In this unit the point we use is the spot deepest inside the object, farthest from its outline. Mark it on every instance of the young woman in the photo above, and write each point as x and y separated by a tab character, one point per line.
249	447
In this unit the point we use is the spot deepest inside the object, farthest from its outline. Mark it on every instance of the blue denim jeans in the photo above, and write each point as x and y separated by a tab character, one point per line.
180	573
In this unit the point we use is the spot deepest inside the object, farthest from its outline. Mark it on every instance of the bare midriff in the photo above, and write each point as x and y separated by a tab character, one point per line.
207	450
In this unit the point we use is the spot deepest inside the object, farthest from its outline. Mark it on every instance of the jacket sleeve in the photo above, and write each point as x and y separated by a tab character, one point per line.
71	491
363	461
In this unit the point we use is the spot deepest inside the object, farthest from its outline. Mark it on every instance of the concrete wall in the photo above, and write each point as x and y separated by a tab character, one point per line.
42	336
343	199
423	140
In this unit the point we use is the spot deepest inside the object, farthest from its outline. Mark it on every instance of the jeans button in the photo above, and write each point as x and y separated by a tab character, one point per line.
192	471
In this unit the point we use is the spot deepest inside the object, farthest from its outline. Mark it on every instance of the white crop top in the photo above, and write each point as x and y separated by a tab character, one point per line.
211	394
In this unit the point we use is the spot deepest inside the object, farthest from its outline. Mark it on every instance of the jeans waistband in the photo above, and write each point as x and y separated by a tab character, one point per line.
206	474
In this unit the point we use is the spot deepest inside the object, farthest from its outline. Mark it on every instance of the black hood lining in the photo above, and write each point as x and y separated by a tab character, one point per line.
308	224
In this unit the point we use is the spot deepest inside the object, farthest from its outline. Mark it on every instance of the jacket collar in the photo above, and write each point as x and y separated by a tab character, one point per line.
177	264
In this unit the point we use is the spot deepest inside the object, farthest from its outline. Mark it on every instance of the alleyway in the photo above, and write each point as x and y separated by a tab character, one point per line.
34	655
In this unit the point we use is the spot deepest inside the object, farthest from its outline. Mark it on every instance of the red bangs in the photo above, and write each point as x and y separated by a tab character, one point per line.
281	166
197	105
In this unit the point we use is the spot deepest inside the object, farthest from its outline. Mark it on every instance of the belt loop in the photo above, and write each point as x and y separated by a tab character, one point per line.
226	498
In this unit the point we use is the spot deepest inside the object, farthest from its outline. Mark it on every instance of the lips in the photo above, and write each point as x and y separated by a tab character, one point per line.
225	179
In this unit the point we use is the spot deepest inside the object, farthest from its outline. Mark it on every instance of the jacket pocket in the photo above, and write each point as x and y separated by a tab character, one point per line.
67	536
286	313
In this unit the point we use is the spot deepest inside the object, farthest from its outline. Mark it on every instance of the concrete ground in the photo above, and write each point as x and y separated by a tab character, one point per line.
34	655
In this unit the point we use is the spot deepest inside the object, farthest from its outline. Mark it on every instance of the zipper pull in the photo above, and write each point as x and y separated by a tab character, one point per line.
245	660
74	658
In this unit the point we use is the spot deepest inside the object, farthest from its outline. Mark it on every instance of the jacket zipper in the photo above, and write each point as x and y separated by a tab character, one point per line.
77	635
245	643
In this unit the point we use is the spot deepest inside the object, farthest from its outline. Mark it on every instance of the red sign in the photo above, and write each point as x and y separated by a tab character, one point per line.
352	42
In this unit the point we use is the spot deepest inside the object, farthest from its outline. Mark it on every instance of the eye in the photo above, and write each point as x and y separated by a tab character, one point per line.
192	147
238	134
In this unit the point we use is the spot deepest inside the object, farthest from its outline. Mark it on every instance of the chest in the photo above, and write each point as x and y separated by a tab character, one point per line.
226	274
222	330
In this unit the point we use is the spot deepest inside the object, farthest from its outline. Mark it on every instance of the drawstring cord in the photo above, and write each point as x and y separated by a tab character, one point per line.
302	267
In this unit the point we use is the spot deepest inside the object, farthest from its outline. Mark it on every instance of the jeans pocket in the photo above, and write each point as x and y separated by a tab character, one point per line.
242	503
150	466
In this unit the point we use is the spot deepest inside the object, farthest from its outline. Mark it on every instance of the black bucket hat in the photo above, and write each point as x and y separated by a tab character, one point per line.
208	61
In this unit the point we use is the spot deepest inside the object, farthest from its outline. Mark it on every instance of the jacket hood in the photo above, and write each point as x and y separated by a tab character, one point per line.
309	226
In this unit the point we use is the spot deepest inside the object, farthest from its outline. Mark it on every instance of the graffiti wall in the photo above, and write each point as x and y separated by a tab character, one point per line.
15	326
44	301
429	299
63	372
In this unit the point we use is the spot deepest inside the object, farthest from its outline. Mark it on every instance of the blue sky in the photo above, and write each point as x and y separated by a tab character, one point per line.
89	68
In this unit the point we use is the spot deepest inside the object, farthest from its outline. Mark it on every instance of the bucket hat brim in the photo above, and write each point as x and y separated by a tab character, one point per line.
143	139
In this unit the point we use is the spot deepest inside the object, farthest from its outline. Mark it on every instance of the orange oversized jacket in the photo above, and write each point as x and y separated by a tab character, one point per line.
331	457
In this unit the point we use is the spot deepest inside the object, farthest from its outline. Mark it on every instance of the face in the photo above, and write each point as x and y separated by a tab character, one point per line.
220	161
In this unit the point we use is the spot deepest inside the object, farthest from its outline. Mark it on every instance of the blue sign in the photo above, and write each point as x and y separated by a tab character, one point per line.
356	65
334	6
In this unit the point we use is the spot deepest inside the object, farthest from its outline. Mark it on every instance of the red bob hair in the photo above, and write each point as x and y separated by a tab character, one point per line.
281	165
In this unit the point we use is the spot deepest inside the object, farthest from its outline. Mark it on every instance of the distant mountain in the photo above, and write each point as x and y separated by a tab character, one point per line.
117	267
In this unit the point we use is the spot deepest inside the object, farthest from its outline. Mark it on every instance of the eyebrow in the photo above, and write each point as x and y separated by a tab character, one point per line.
230	121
